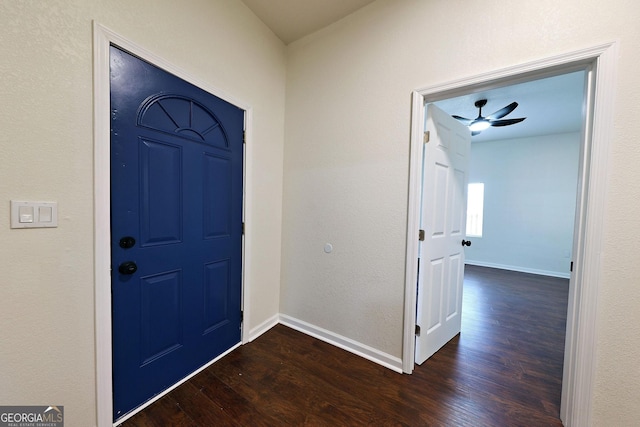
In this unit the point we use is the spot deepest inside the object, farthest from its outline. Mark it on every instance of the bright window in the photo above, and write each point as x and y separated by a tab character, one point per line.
475	206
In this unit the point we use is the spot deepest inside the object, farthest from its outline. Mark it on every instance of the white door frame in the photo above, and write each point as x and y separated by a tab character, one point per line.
102	39
579	361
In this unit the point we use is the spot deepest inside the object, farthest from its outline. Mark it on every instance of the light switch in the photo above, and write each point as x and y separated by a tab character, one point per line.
34	214
44	213
25	214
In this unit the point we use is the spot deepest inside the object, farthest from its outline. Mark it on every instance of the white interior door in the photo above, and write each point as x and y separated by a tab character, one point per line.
443	219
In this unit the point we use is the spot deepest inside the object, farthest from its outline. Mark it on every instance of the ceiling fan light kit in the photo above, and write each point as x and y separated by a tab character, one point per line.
481	123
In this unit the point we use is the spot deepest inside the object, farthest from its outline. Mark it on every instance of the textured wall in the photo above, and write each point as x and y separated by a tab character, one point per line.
347	149
46	153
529	202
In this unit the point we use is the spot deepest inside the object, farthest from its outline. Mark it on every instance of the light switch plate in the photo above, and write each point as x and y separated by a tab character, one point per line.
34	214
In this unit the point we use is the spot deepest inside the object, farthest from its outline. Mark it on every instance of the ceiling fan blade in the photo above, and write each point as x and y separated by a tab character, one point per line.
463	119
474	133
506	122
503	111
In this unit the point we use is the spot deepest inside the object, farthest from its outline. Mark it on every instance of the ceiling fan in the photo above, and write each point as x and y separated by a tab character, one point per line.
480	123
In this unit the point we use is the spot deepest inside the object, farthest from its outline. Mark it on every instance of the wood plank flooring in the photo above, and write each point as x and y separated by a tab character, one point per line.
504	369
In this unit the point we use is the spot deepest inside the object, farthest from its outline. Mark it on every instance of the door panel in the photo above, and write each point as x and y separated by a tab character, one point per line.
215	295
456	268
176	189
217	221
160	193
444	190
161	315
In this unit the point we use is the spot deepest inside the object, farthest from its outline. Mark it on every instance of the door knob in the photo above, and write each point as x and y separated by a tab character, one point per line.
127	242
466	242
128	267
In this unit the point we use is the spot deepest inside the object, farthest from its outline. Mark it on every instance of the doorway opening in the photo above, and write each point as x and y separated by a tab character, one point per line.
528	173
599	65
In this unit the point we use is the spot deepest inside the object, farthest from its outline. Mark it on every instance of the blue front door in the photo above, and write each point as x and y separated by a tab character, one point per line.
176	228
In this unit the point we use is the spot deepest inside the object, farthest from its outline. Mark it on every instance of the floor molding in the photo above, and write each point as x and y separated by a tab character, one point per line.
362	350
263	327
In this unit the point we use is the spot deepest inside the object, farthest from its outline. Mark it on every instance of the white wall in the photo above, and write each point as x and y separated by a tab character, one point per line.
46	153
347	148
530	189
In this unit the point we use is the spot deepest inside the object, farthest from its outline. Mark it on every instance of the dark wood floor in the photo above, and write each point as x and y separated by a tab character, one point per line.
505	369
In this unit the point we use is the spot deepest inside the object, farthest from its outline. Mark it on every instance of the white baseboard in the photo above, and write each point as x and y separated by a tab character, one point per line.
519	269
263	327
362	350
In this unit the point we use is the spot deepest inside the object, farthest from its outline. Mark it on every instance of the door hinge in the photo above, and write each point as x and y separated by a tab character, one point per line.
241	316
571	267
243	228
421	235
244	137
417	330
426	137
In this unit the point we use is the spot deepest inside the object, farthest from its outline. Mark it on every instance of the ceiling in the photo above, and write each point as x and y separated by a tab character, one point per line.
550	105
294	19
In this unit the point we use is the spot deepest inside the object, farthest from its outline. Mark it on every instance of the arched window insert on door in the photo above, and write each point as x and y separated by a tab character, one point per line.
187	118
